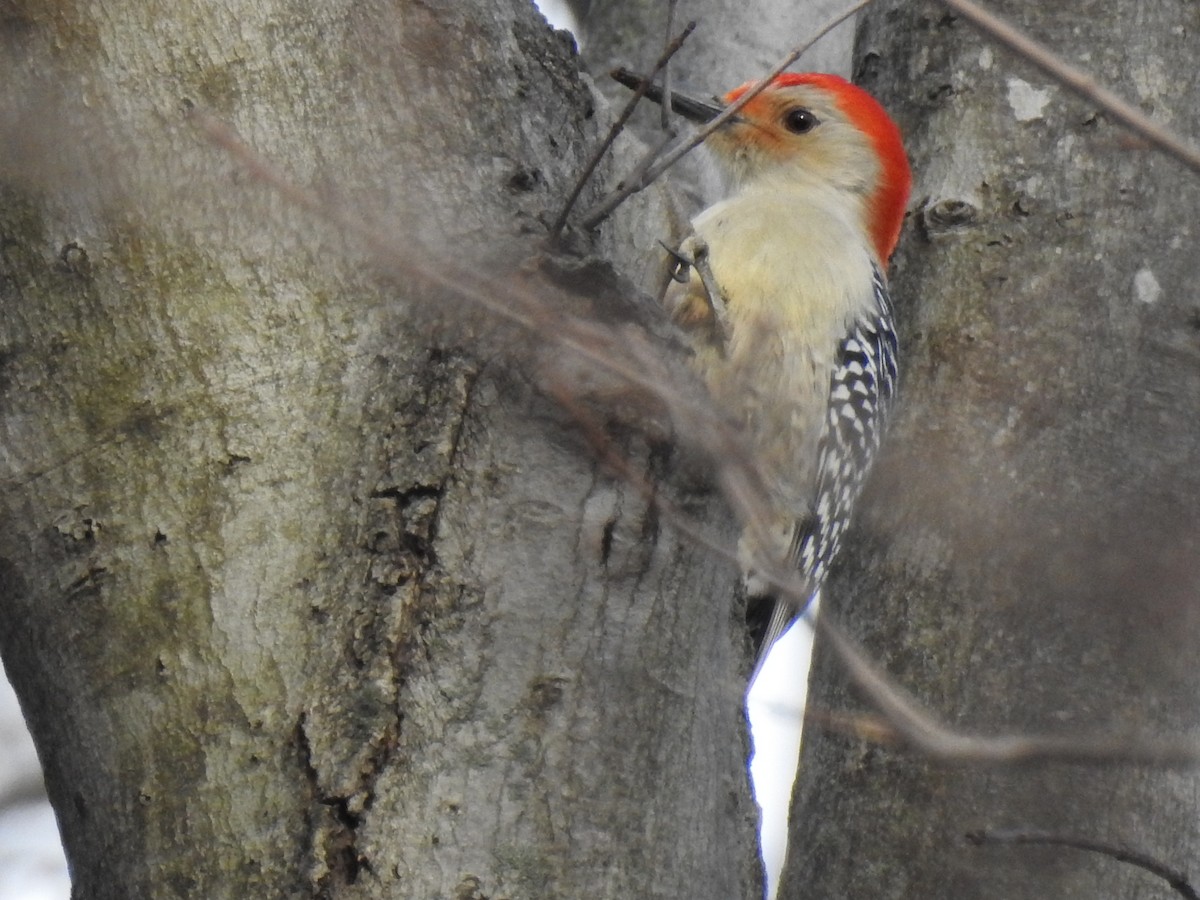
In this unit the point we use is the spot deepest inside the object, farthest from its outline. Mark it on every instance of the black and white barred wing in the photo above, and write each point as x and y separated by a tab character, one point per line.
860	398
861	390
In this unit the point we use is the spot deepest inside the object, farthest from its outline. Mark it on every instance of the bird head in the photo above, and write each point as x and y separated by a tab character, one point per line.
813	127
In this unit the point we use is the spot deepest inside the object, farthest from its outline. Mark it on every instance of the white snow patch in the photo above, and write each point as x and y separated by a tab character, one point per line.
32	865
1146	288
775	704
558	14
1027	102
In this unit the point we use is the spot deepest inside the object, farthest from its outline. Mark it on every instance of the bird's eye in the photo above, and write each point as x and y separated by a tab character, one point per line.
800	120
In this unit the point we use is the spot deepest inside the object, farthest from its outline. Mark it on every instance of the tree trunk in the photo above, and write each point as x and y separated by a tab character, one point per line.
1025	558
306	590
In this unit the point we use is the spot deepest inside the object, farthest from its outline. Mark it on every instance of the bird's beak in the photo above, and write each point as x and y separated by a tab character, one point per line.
689	107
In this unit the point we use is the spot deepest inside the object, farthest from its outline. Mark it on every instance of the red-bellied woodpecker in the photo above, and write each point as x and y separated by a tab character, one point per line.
803	355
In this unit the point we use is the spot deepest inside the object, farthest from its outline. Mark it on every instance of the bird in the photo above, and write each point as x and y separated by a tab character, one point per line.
798	347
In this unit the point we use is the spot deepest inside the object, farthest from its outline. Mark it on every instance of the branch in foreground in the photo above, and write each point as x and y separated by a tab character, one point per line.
590	166
920	729
1078	81
1178	880
605	207
664	110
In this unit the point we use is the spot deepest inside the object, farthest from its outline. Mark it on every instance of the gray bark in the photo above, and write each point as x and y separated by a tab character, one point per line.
306	591
1024	559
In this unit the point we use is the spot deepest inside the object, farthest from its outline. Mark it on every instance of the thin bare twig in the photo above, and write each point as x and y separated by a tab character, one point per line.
590	166
1078	81
1175	878
605	207
647	160
665	108
921	730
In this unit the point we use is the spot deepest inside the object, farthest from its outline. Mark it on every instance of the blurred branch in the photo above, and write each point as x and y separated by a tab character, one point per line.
665	108
1178	880
920	729
589	167
1078	81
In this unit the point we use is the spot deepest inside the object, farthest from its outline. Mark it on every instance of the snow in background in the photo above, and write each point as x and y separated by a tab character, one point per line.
558	14
32	865
775	707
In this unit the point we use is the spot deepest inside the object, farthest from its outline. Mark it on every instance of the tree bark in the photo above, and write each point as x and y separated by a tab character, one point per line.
306	589
1024	558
